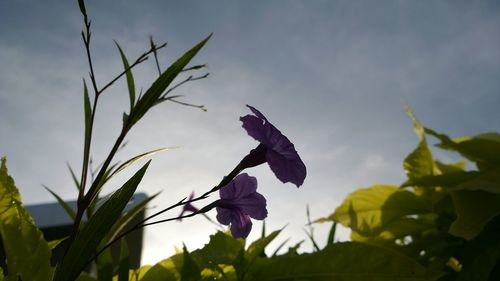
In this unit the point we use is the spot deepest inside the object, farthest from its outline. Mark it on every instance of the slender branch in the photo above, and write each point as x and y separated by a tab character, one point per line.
201	106
84	199
183	201
86	151
83	203
137	227
196	67
142	58
189	79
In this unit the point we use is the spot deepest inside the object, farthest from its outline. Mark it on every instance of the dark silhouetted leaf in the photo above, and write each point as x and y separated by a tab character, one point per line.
105	266
123	272
127	217
190	270
71	213
257	248
87	240
81	4
341	261
130	77
73	176
474	210
481	255
331	234
152	95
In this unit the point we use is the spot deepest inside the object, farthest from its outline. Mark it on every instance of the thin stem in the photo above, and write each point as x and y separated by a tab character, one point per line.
201	106
153	46
86	151
144	223
137	227
170	219
84	202
142	58
84	199
190	78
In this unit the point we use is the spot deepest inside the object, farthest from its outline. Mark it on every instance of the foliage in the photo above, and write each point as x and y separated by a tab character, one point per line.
443	216
442	223
27	252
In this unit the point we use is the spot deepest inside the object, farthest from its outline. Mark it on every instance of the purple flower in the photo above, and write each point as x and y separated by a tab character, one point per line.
274	148
188	207
240	201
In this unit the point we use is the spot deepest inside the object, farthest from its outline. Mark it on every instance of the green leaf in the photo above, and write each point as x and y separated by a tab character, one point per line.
105	266
419	163
166	270
339	262
87	110
462	180
480	257
280	246
73	176
446	168
367	211
27	252
221	249
81	4
256	249
87	240
123	272
54	243
479	148
331	234
398	229
134	159
445	180
190	270
419	130
153	94
71	213
86	277
474	210
137	274
130	77
129	216
488	181
88	126
292	251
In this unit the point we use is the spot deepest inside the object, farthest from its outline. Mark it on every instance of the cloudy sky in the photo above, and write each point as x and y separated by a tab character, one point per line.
332	75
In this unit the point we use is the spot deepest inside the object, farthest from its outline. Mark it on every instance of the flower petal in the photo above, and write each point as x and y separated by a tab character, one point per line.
254	205
224	215
241	186
257	113
255	128
288	167
240	225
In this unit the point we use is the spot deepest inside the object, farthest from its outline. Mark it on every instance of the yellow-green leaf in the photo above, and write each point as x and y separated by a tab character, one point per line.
367	211
27	252
419	163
